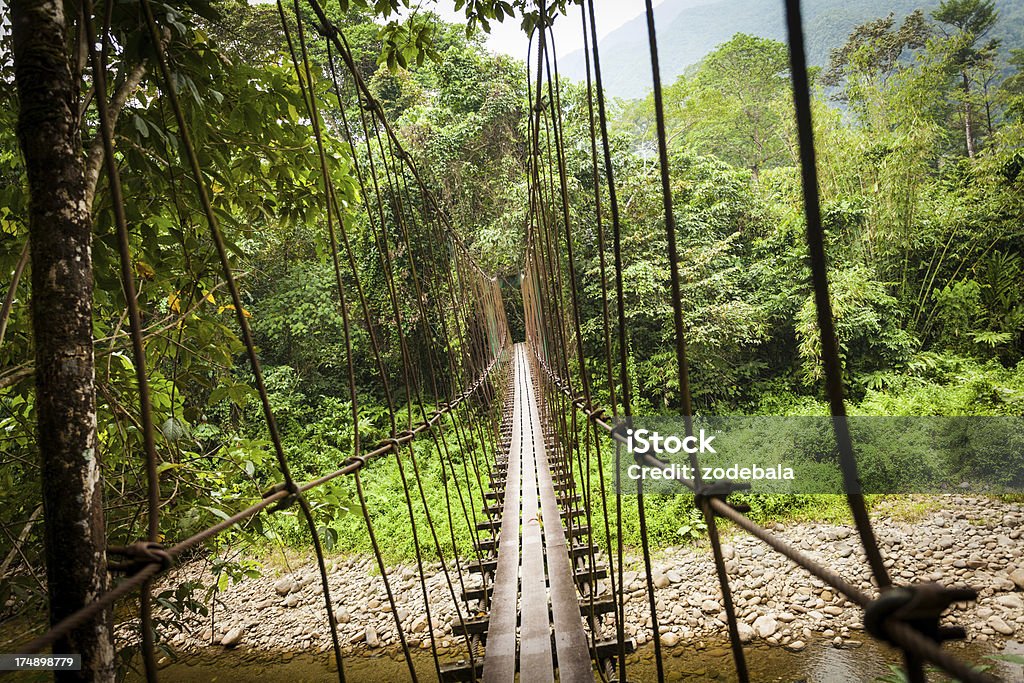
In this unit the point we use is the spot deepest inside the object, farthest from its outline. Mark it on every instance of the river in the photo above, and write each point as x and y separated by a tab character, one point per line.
818	663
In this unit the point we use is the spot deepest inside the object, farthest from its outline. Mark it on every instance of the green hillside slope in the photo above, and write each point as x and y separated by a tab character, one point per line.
690	29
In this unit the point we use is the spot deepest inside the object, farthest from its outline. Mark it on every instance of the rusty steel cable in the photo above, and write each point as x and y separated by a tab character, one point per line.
148	429
903	634
682	361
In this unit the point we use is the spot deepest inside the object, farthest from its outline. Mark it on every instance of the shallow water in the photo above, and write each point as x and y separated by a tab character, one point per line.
818	663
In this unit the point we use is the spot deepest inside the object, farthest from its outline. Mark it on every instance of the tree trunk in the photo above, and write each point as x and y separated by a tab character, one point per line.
968	123
60	232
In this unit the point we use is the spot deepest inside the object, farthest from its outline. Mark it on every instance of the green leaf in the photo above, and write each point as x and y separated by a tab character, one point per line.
164	466
218	512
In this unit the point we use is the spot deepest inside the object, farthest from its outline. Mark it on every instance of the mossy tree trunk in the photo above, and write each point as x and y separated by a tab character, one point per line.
60	231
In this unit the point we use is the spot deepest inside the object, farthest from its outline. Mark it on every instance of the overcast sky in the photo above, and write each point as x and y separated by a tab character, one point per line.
508	38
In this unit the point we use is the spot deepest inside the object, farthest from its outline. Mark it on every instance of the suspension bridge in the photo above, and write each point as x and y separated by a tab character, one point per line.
552	598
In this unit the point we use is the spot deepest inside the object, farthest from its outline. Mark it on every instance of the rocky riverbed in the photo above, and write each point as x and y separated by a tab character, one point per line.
970	541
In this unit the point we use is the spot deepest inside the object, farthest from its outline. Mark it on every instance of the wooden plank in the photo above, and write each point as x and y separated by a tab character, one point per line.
535	654
500	654
571	645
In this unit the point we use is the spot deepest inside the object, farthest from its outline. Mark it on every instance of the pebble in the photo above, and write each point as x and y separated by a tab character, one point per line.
999	626
1011	601
232	638
765	626
371	637
1017	576
779	606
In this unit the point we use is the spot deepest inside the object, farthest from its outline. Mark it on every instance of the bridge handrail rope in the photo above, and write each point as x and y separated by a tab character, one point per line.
468	357
272	497
477	299
906	617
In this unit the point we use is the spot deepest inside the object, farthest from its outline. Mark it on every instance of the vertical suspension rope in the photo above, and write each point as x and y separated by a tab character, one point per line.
214	226
822	301
625	395
682	362
99	67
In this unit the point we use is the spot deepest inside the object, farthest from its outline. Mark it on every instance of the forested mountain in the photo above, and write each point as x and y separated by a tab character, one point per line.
690	29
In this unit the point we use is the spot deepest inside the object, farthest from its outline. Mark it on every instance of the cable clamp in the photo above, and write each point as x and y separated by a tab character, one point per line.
138	556
287	501
720	489
919	606
357	460
326	30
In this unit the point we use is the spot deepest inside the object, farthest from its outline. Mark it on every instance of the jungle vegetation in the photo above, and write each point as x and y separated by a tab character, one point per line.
920	134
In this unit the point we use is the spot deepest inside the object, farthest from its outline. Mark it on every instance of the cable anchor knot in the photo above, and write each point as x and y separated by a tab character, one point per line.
287	501
720	489
138	556
919	606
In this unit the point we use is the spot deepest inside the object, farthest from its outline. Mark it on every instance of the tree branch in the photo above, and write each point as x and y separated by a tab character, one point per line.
94	162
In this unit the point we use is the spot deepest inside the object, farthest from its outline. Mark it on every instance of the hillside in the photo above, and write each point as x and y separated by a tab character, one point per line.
689	29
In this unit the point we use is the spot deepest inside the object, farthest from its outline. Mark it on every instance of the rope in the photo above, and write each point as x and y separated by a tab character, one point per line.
465	338
682	363
543	304
99	68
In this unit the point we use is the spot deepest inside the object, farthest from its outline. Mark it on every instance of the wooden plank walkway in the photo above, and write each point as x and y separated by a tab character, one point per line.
544	562
501	628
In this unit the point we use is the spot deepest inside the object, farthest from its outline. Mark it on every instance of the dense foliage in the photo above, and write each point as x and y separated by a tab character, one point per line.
920	127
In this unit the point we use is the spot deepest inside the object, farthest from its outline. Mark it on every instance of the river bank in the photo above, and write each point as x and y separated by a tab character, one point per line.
971	541
819	663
